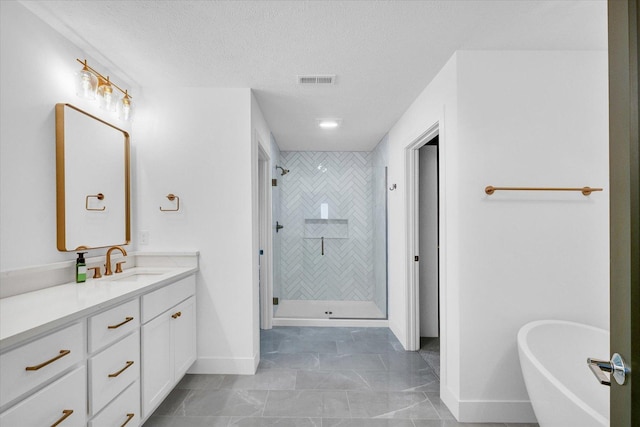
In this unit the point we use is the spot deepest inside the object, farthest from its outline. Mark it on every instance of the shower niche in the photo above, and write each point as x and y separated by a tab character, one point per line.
326	228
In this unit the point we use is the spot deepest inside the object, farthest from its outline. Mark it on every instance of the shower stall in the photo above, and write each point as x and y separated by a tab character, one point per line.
329	212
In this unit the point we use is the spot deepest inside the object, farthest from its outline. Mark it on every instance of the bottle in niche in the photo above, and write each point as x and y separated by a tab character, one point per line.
81	268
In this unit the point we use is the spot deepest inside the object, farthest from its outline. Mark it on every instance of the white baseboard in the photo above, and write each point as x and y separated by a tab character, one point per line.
221	365
489	411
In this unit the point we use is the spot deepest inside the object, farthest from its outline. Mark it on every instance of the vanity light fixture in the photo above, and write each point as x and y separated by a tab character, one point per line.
90	82
329	123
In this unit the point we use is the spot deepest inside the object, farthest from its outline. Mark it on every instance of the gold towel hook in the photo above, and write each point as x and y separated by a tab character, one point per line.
98	196
171	198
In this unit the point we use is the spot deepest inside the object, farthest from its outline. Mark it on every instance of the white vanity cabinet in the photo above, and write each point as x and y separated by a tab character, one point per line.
93	366
168	340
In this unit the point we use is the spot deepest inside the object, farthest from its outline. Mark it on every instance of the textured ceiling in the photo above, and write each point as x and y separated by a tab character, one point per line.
384	53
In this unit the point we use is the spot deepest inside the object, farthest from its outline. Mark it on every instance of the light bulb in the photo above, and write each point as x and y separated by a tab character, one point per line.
125	108
105	96
86	84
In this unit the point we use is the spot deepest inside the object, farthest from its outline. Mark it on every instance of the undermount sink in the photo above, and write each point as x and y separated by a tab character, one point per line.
135	276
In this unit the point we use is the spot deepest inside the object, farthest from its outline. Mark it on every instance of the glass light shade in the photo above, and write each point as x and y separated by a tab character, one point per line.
125	109
106	97
86	84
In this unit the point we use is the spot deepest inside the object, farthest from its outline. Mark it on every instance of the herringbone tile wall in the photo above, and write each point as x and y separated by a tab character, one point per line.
343	180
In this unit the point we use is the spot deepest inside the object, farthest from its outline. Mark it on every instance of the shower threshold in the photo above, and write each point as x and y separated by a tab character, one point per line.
309	309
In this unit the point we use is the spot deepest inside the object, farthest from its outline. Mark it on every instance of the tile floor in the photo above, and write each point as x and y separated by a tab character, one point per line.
319	377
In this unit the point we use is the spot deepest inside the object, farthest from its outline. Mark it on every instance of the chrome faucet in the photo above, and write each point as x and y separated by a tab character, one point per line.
108	271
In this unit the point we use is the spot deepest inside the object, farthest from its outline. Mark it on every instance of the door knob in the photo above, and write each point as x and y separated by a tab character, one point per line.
617	367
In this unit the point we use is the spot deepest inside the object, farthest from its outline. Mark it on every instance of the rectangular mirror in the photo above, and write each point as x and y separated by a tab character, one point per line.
92	181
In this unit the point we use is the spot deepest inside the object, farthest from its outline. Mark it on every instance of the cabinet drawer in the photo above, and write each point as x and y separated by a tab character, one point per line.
108	327
123	411
112	370
46	407
45	358
163	299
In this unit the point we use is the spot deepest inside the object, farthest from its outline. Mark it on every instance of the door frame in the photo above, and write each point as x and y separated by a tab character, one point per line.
412	268
624	174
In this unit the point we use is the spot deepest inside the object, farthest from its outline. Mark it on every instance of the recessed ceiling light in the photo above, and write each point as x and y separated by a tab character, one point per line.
329	123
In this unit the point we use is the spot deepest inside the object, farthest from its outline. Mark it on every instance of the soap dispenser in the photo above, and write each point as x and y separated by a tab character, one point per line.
81	268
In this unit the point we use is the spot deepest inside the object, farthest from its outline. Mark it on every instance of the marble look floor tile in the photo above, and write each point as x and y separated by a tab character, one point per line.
301	345
326	333
280	332
432	359
274	422
378	404
269	346
364	347
173	403
407	361
307	403
421	381
290	361
365	422
264	379
201	382
330	380
442	409
522	425
351	361
171	421
223	403
373	334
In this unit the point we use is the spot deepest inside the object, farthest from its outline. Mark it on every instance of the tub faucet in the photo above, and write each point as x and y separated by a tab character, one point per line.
108	271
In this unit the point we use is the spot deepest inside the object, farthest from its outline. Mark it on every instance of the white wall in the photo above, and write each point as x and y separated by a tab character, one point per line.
521	119
37	70
197	144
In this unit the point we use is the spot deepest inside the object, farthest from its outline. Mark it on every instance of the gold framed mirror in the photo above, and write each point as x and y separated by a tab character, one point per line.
92	181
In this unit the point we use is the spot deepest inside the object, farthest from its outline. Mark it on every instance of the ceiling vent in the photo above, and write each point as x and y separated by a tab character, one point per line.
328	79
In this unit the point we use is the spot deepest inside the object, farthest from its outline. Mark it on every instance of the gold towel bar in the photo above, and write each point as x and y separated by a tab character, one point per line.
585	190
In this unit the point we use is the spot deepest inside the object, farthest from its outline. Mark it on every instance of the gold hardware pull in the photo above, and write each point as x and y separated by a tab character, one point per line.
62	354
585	190
96	272
176	315
129	418
171	198
66	414
115	374
119	266
98	196
126	320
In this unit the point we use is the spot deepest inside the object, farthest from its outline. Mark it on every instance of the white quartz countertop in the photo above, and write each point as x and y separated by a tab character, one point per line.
26	315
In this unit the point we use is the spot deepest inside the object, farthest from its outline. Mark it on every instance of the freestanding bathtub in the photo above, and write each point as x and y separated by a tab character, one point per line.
562	389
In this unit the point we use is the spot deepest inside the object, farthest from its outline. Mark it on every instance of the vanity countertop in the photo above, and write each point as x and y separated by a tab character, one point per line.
27	315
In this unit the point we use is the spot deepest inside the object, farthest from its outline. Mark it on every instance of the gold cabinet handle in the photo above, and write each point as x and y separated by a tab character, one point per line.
129	418
126	320
115	374
62	354
66	413
176	315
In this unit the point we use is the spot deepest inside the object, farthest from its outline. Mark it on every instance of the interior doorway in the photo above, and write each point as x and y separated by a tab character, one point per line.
428	240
